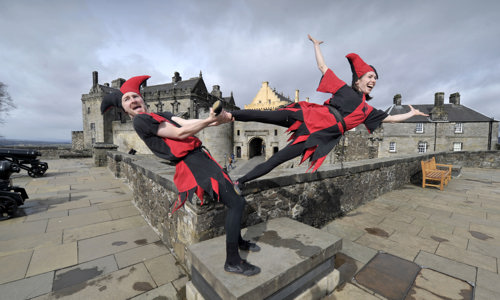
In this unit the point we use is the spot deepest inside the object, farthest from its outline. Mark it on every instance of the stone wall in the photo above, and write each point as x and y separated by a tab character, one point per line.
77	141
56	151
311	198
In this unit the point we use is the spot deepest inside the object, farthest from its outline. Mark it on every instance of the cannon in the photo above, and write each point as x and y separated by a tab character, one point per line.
11	197
25	159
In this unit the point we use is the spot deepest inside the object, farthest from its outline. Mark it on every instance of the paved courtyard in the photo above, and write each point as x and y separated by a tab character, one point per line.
454	235
79	236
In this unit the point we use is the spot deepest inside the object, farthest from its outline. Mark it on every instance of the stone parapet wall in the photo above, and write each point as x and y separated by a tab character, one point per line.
55	151
312	198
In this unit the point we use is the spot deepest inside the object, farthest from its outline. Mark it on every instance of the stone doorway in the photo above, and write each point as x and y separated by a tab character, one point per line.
255	147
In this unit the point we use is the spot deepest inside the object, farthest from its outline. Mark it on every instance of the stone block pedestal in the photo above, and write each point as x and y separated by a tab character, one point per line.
297	262
99	153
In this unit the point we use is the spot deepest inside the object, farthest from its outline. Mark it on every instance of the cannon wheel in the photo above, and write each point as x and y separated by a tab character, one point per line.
38	170
35	172
43	167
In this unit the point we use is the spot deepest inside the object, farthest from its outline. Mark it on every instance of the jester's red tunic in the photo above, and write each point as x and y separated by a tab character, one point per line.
188	156
317	126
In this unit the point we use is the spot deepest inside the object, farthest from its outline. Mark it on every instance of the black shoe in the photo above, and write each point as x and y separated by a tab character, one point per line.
217	107
249	246
243	268
237	187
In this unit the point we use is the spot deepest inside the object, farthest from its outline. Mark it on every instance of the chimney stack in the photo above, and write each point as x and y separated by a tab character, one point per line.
455	98
216	91
117	83
439	99
397	99
177	77
438	113
95	80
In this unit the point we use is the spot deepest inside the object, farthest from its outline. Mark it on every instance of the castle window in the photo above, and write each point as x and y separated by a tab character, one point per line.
457	146
419	128
422	147
237	132
92	126
459	128
275	132
392	147
88	110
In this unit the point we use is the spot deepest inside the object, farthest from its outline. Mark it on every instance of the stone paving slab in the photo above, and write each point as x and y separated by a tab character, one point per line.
140	254
488	280
12	231
83	210
430	284
122	284
46	215
115	242
468	257
27	288
51	258
27	243
123	212
77	274
446	266
14	266
164	269
485	294
77	220
101	228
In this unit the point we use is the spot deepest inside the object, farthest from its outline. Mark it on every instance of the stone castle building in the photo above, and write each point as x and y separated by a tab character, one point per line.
449	127
185	98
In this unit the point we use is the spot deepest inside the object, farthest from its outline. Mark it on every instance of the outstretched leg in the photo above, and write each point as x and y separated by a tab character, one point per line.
276	117
285	154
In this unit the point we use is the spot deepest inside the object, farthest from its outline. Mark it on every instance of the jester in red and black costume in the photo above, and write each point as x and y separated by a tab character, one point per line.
316	129
196	172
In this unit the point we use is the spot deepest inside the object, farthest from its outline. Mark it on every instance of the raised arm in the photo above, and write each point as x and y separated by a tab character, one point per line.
319	56
402	117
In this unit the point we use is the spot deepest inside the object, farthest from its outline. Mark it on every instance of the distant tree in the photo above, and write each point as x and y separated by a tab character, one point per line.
6	103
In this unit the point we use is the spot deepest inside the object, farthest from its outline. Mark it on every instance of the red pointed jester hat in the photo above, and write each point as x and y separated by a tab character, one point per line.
358	66
115	99
134	84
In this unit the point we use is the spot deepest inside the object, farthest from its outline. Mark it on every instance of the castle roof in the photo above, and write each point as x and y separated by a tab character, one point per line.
188	84
455	113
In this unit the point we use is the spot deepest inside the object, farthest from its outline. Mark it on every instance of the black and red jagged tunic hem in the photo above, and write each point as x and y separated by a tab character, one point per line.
196	171
317	126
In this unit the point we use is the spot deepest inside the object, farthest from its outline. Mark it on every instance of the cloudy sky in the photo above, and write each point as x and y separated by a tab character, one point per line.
48	50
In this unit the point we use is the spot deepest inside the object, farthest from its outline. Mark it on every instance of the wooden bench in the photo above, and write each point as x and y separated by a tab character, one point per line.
433	173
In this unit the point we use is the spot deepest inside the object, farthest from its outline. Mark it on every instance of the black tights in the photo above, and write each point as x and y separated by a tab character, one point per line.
276	117
235	205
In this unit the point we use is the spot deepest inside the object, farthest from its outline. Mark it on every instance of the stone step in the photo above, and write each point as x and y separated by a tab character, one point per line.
294	257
